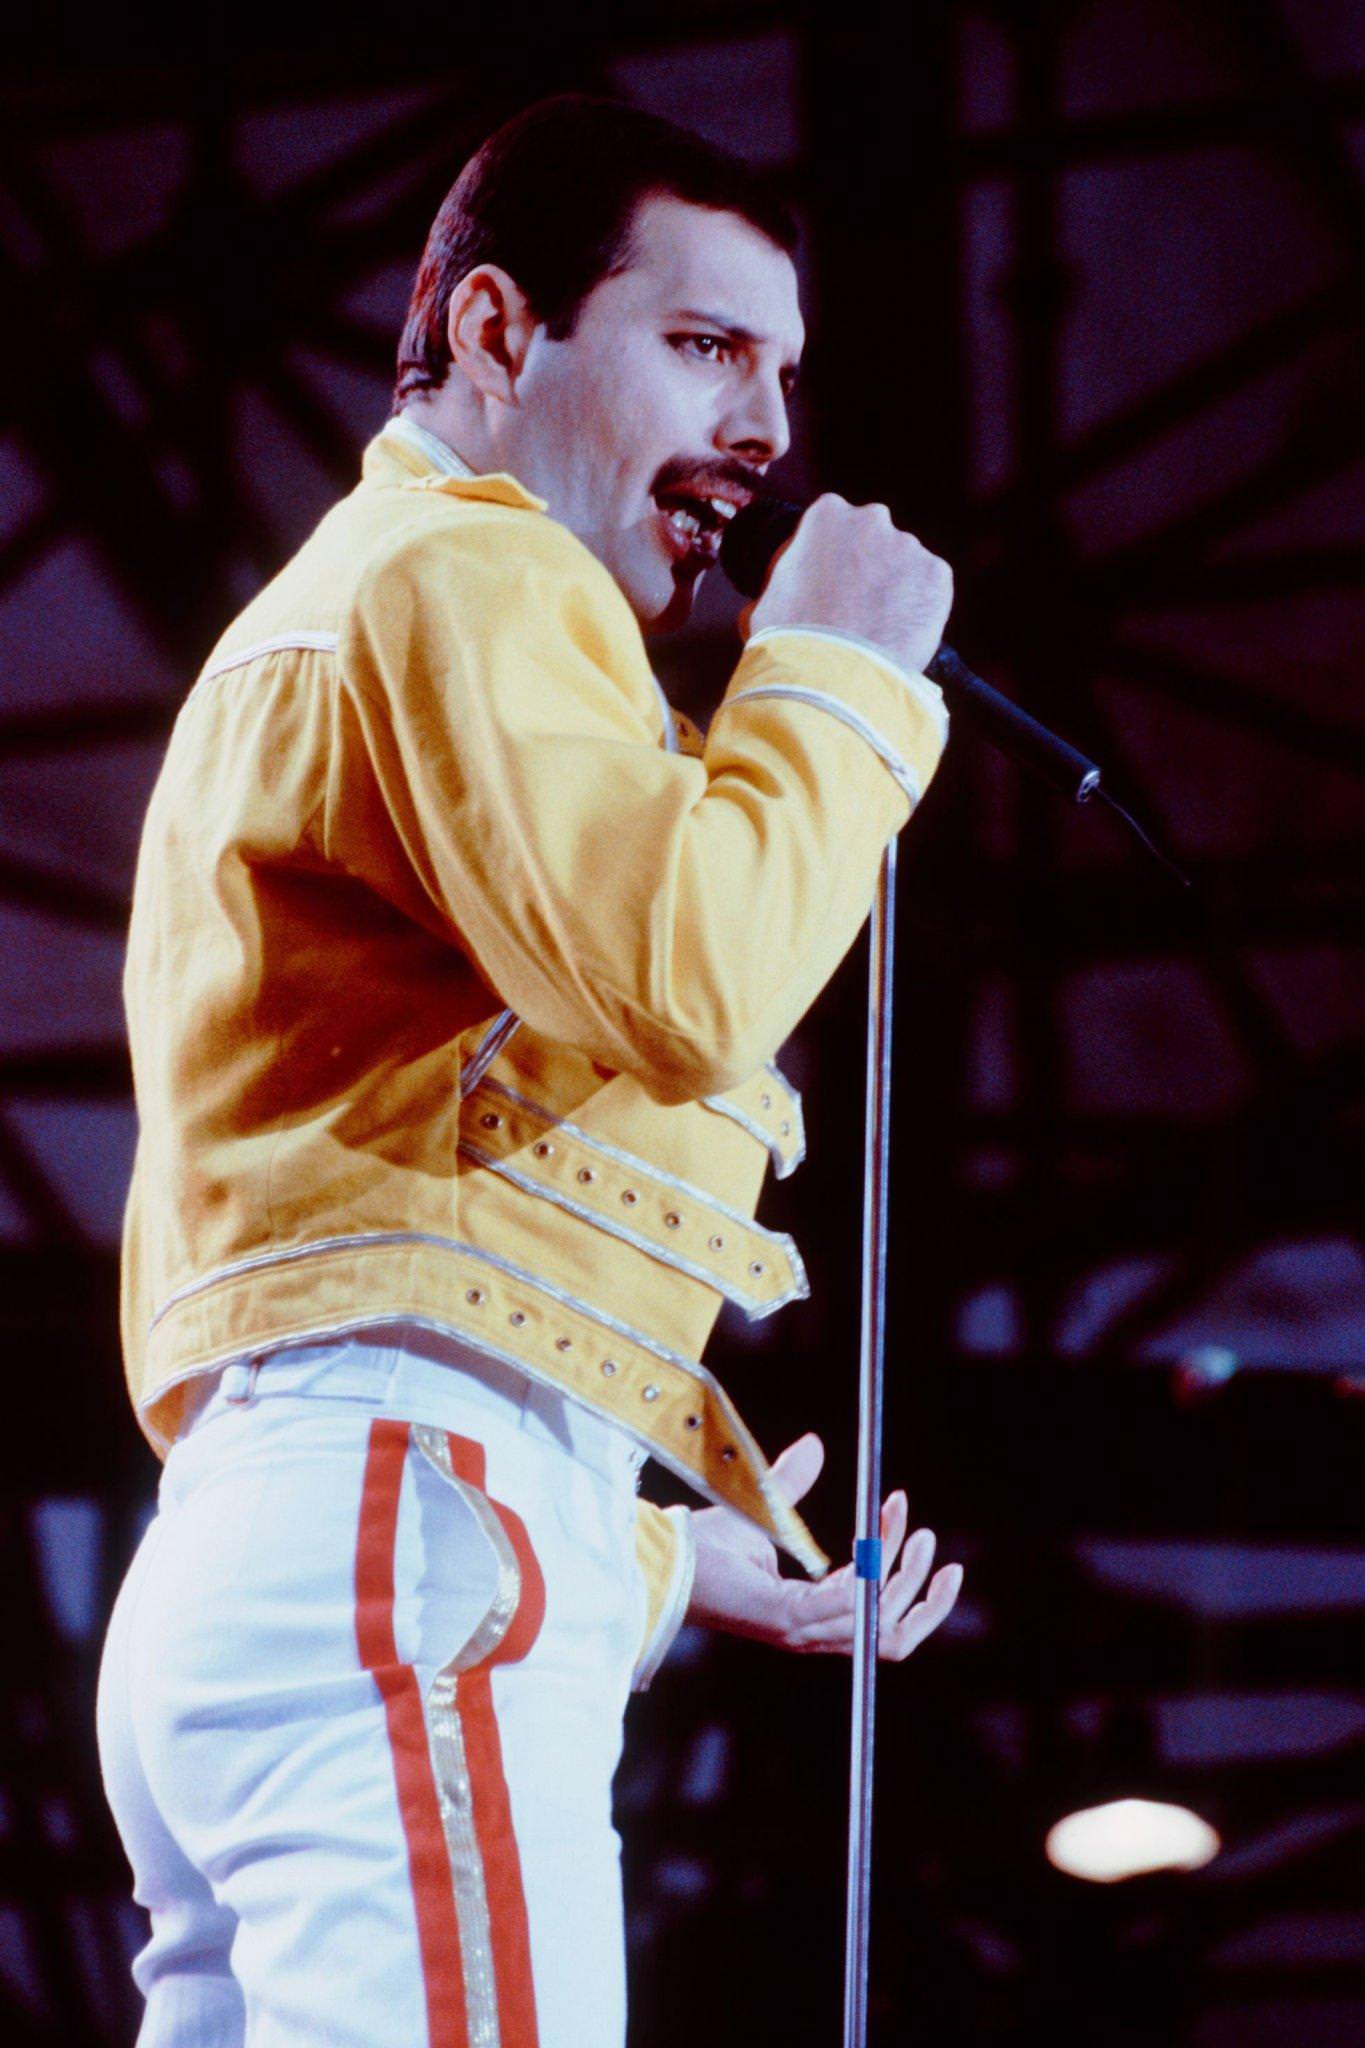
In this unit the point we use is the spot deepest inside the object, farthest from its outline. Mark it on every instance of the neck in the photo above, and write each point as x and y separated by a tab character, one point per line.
440	413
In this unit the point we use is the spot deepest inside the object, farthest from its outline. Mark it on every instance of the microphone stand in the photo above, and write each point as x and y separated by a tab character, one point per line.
746	554
1060	764
867	1548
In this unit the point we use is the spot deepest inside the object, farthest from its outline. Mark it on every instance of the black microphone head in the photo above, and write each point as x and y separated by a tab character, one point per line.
753	537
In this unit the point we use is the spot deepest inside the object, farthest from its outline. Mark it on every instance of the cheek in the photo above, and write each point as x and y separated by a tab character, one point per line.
621	416
612	421
659	407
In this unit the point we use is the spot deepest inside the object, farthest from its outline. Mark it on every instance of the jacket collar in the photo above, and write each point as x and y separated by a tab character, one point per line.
406	454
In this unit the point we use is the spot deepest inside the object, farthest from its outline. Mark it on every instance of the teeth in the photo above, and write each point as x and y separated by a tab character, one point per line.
685	522
723	507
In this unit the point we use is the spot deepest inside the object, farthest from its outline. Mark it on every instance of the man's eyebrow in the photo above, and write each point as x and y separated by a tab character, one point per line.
733	331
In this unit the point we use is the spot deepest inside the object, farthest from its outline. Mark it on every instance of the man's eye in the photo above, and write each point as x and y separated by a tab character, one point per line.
709	347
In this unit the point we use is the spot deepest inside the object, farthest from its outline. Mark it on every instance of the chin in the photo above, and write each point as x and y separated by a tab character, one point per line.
671	602
676	612
659	589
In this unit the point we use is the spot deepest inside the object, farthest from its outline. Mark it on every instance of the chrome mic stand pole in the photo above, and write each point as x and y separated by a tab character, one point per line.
867	1549
749	546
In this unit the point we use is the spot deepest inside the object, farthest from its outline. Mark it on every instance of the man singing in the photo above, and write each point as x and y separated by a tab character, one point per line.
457	970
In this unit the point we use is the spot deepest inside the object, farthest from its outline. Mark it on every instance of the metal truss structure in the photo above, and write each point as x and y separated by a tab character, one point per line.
1086	292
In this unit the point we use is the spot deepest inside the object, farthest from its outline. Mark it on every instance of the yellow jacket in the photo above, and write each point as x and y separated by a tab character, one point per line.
458	963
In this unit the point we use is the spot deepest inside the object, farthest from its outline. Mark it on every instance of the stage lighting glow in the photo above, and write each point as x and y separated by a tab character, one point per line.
1128	1838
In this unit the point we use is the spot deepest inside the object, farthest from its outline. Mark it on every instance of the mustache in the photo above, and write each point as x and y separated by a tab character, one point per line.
684	473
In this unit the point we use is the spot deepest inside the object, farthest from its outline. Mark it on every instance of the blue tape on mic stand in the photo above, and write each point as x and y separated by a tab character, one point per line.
867	1557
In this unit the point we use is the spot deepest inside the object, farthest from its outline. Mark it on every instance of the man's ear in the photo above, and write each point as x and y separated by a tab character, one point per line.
489	325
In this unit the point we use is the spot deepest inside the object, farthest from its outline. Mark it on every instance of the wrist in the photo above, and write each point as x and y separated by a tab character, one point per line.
920	686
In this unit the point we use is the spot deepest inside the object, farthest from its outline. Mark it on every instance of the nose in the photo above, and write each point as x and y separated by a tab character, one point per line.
755	425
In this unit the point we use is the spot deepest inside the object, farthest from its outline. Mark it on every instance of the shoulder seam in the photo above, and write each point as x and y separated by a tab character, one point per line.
304	638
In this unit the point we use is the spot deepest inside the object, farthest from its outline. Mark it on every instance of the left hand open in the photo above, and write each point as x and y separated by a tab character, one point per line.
738	1586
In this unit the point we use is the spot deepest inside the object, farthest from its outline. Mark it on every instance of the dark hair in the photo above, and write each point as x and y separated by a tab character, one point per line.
550	198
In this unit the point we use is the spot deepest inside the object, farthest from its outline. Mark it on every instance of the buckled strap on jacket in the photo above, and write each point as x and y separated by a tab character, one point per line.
769	1108
671	1404
670	1219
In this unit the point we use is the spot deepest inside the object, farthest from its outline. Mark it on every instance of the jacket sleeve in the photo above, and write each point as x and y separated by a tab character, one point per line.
665	1549
672	916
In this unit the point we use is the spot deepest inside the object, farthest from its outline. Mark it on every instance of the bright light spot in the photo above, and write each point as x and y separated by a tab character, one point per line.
1129	1837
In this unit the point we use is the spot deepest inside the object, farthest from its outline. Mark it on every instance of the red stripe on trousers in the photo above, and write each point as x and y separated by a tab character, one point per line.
433	1890
493	1829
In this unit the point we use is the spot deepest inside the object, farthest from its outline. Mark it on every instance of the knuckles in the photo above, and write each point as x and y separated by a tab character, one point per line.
829	513
852	566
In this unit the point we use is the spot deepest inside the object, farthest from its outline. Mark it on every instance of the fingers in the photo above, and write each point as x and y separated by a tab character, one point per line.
899	1592
798	1467
895	1515
820	1617
896	1643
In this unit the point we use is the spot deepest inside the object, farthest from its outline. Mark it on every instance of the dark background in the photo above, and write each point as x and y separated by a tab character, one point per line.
1084	288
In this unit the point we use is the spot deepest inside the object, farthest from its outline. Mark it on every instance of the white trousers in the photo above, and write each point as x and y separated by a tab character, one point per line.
361	1704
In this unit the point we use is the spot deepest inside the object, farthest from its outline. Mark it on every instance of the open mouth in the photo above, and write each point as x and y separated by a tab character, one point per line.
694	524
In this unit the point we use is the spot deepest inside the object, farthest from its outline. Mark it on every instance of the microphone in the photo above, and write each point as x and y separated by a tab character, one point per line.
747	547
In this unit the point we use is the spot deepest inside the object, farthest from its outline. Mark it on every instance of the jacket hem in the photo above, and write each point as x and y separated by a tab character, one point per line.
670	1405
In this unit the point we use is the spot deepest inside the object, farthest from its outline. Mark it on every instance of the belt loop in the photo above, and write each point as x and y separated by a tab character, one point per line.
239	1381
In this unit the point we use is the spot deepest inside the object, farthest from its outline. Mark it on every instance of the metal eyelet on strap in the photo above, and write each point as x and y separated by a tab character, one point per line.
473	1295
649	1393
609	1368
